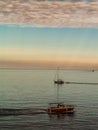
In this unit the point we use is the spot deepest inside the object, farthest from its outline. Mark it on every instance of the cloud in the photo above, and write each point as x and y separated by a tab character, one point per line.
71	13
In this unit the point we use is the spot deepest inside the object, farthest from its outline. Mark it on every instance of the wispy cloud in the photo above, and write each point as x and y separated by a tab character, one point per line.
50	13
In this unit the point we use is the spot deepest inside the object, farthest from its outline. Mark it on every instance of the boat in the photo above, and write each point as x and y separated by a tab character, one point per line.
60	108
58	80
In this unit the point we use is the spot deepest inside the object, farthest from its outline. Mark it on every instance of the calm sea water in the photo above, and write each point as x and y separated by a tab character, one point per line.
35	89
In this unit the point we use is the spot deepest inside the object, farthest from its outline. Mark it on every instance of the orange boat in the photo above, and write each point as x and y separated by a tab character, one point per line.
60	108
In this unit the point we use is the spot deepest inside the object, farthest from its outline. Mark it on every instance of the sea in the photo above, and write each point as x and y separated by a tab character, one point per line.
35	89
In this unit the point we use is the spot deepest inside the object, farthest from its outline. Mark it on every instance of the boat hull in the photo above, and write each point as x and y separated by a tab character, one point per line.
62	109
63	112
59	82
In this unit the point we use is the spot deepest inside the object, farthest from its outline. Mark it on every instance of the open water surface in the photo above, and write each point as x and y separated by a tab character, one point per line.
34	89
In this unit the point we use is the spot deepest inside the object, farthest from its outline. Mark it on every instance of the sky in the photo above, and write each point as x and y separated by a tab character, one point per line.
49	34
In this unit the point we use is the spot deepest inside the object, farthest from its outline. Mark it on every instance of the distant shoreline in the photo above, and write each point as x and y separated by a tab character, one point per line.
49	69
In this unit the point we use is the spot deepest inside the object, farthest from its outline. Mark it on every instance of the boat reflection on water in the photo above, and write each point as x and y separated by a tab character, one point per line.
60	116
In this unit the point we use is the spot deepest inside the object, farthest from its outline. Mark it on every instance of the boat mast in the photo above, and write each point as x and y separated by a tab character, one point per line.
57	74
